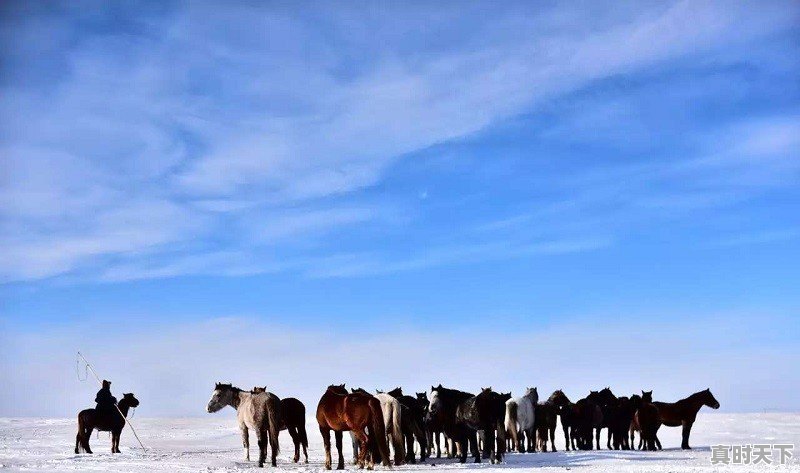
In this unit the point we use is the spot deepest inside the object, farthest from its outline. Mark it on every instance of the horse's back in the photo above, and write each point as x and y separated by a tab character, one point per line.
293	411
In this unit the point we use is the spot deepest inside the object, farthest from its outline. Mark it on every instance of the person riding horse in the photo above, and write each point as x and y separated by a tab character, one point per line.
104	399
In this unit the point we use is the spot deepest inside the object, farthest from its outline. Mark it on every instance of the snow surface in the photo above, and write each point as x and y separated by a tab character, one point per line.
213	443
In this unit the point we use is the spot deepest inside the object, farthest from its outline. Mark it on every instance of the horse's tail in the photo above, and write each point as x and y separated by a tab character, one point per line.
397	432
379	429
274	418
79	436
511	422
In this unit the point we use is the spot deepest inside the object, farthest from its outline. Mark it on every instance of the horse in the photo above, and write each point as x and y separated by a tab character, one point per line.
647	416
293	419
545	423
393	421
104	421
484	413
565	409
684	412
646	397
520	416
260	412
354	412
444	410
607	401
622	420
413	418
587	416
432	428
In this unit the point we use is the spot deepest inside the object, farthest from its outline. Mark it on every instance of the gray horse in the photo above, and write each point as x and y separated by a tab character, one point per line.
260	412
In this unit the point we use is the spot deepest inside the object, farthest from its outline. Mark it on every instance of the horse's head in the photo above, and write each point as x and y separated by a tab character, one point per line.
505	396
337	389
359	391
559	398
422	398
222	396
636	401
259	389
396	392
378	391
435	403
130	400
533	394
647	396
709	399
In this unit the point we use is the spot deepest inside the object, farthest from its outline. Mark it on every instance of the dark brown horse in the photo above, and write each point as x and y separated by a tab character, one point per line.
354	412
545	423
684	412
413	422
105	421
649	423
293	419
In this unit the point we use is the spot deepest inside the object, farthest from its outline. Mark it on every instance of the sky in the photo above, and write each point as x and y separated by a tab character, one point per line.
294	194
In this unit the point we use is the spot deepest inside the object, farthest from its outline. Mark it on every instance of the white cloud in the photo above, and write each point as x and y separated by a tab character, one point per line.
154	141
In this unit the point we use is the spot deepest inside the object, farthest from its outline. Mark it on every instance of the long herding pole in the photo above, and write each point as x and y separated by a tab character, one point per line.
127	422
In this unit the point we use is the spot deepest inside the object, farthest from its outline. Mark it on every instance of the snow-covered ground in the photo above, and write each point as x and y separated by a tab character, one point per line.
212	443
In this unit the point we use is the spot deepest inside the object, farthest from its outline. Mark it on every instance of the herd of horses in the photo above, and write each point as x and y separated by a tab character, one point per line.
485	425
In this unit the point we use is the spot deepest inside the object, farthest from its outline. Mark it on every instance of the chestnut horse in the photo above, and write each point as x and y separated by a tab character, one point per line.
105	421
684	412
354	412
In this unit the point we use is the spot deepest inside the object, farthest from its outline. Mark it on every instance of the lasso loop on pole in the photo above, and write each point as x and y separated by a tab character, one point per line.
78	369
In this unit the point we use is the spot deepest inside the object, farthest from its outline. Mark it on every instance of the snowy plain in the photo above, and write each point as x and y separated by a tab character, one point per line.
212	444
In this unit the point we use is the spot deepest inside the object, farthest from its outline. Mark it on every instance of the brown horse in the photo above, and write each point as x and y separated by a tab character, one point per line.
293	419
354	412
545	423
647	418
105	421
684	412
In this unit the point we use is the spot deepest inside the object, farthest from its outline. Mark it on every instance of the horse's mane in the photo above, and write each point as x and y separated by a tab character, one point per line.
452	394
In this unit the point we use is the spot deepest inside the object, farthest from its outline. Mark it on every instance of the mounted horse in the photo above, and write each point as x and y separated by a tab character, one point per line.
293	419
520	418
104	421
259	412
354	412
684	412
413	424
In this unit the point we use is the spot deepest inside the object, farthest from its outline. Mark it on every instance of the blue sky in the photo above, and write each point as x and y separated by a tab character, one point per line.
438	170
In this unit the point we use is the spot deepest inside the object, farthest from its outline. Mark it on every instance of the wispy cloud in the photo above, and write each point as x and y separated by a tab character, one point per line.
134	137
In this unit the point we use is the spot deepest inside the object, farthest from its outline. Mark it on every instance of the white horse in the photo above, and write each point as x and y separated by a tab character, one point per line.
259	412
520	417
390	407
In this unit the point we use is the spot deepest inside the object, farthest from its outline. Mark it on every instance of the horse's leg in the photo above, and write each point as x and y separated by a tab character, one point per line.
296	441
356	450
245	441
597	436
687	429
473	444
338	436
565	428
114	439
87	434
326	441
655	438
552	431
360	438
